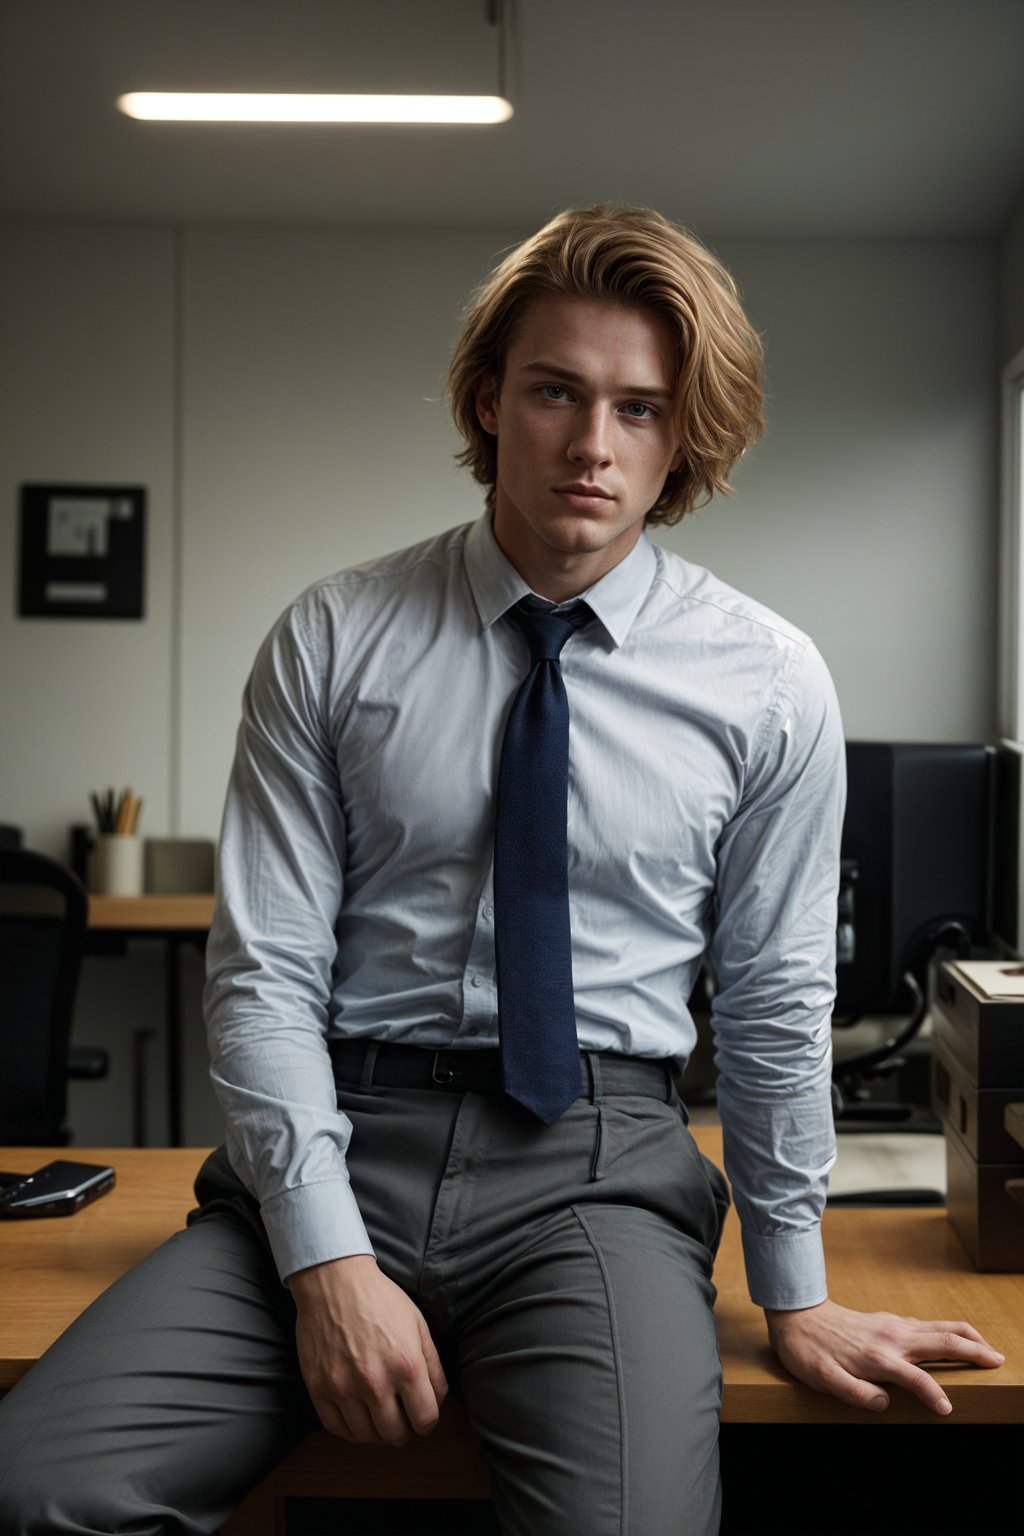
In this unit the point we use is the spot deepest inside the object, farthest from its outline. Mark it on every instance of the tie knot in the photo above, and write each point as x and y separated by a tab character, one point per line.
546	632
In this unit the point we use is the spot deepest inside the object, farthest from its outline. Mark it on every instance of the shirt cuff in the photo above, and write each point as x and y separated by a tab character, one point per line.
786	1270
313	1224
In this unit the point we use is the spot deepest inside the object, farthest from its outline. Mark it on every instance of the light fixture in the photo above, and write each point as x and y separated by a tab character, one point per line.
279	107
307	107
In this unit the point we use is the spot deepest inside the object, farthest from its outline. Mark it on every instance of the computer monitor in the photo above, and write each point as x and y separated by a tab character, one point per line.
916	866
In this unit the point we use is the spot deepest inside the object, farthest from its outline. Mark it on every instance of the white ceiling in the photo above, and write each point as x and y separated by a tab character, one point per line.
808	118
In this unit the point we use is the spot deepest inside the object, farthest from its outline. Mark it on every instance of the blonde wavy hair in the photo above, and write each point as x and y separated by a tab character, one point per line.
632	256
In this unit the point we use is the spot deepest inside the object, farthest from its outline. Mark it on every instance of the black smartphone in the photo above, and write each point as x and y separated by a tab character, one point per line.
57	1189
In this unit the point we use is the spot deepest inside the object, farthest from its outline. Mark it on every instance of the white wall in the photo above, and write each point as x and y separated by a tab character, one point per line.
312	437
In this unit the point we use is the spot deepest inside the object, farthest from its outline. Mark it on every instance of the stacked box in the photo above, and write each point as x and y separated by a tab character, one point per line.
977	1072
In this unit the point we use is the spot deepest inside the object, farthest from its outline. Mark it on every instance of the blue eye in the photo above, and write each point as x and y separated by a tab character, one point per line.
636	406
554	391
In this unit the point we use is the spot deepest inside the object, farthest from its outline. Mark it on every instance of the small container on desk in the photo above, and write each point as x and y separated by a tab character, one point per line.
117	865
978	1070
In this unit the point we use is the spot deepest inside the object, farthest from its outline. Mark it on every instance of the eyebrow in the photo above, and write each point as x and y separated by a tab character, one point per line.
652	391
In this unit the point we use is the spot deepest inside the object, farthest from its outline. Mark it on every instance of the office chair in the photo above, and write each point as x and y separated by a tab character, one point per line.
42	934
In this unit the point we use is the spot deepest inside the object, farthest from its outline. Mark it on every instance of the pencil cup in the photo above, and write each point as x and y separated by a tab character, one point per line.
117	865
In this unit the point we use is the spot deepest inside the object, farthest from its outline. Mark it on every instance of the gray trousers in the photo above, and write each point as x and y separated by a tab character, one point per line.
564	1271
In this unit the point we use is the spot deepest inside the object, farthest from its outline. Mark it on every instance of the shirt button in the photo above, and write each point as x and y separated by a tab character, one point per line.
478	981
488	911
474	1029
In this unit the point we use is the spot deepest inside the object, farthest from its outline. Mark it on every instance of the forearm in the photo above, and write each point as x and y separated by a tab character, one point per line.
286	1137
778	1153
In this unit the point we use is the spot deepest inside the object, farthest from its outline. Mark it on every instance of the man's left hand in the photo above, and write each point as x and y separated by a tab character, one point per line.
850	1354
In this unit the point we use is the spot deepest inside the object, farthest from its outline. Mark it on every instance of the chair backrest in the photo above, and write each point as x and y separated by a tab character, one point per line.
43	909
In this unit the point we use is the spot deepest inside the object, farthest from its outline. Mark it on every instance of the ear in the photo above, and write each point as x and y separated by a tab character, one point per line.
487	403
677	460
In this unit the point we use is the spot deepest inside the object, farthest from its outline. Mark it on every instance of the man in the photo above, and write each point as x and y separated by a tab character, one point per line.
495	797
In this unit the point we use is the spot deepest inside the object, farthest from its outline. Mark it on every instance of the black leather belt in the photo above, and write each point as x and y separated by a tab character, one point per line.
479	1071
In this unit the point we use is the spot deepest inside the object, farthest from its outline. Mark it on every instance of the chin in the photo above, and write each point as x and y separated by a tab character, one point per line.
584	534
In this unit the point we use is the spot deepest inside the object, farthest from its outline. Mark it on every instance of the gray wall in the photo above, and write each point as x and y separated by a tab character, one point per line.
1011	284
868	514
86	394
278	391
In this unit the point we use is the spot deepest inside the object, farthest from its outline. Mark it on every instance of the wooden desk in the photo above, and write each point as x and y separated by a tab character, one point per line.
894	1259
177	921
905	1260
152	914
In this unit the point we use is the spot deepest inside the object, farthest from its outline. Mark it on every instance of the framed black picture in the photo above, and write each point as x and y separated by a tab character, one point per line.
82	551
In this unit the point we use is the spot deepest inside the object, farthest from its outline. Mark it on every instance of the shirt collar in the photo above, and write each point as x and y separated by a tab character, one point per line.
497	586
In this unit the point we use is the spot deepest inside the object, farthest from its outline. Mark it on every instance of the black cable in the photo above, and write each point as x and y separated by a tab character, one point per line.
856	1066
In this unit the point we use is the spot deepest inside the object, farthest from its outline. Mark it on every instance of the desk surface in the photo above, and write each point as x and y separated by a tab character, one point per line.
897	1260
161	914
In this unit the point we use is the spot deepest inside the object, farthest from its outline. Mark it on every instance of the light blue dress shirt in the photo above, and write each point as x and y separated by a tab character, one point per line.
706	788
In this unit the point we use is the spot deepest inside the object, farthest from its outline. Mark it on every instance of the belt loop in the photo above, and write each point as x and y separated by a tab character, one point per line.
369	1062
595	1092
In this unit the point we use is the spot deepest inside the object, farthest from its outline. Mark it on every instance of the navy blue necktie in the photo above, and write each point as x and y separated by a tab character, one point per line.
536	1011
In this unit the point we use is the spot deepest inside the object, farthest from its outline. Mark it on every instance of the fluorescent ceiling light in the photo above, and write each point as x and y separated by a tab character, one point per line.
253	107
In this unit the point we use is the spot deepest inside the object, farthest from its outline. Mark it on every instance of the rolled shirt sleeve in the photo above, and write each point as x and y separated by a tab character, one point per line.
773	959
270	957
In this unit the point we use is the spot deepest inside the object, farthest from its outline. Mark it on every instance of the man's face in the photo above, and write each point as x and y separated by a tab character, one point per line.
583	419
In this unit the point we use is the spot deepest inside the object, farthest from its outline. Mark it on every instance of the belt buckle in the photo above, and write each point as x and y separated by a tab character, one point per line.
441	1074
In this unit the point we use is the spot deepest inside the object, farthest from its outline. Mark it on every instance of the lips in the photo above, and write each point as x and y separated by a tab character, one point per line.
589	499
594	492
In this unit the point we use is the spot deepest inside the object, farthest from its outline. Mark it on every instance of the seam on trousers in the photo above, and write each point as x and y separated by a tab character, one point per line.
614	1333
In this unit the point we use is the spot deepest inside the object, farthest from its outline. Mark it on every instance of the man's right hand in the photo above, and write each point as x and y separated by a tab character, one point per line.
366	1353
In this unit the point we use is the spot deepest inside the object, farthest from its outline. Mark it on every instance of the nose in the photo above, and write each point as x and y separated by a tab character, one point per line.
591	441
